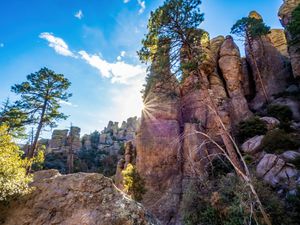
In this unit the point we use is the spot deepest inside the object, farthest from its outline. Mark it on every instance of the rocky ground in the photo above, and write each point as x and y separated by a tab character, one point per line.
85	199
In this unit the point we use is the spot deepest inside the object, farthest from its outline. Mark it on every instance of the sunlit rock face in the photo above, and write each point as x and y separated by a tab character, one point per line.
171	146
82	198
231	67
285	14
271	64
64	140
278	39
158	146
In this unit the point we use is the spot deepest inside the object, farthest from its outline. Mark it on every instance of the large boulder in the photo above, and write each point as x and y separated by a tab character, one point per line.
275	171
270	122
252	145
90	199
290	156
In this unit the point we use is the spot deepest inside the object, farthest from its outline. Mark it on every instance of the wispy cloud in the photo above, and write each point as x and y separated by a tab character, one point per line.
64	103
58	44
142	4
79	15
119	72
121	56
1	45
126	1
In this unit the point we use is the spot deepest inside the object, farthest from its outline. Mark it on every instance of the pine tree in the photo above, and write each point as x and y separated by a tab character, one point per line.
250	28
40	98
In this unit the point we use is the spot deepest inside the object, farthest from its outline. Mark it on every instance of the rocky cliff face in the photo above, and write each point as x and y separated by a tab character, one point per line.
157	148
269	59
285	14
90	199
171	150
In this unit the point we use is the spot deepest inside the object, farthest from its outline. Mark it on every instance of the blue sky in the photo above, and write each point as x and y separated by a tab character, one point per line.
94	43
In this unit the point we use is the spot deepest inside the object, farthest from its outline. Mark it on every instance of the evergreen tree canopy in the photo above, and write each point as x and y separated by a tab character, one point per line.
251	27
14	119
43	90
174	25
174	20
41	96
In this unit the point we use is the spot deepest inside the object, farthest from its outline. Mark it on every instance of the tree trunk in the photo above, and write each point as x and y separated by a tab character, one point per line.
71	154
33	148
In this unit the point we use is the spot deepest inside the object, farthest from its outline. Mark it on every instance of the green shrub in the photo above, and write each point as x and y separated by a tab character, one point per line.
250	128
39	159
226	201
194	207
293	207
296	162
219	166
248	159
133	183
13	178
278	141
281	112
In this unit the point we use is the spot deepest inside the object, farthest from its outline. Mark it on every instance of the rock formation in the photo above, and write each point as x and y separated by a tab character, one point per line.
285	15
90	199
158	147
108	145
264	56
171	149
231	68
274	170
63	140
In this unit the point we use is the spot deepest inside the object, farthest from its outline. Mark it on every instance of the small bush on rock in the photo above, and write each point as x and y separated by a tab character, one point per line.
281	112
278	141
250	128
296	162
219	166
133	183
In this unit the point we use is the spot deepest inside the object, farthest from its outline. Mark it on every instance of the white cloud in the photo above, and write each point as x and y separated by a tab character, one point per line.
119	72
64	103
58	44
122	55
125	101
1	45
142	4
79	14
126	1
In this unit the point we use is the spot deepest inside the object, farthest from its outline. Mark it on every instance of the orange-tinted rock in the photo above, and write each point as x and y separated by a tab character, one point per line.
285	15
272	66
231	67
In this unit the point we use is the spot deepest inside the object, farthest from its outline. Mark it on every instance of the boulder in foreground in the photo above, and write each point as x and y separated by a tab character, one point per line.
82	198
